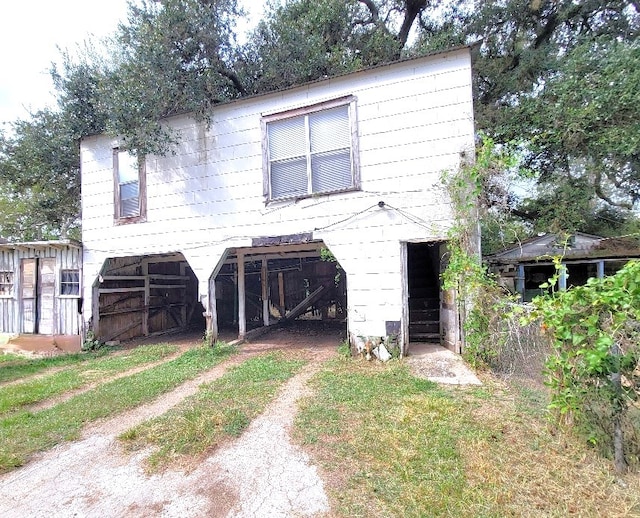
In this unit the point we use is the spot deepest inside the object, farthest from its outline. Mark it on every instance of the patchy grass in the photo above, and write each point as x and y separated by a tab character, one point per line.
35	390
24	433
393	445
21	366
221	409
9	357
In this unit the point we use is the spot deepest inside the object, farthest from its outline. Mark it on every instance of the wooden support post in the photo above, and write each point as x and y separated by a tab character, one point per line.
562	281
95	310
282	306
264	274
147	296
520	282
242	319
183	312
212	312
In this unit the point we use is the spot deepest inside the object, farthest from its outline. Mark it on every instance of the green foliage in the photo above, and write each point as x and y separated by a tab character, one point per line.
39	179
475	288
91	343
596	331
561	78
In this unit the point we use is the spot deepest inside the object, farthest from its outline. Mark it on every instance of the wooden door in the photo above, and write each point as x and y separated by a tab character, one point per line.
29	285
38	280
46	295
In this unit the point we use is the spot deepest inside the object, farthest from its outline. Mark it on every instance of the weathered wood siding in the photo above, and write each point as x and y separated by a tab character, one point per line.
414	120
59	314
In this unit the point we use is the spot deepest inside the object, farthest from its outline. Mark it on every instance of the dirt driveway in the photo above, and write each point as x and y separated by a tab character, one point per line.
262	473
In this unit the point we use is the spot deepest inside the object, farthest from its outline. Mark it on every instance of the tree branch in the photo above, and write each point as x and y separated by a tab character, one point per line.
235	80
413	9
373	9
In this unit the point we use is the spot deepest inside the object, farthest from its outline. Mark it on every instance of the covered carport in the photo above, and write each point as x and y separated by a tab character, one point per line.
276	281
143	296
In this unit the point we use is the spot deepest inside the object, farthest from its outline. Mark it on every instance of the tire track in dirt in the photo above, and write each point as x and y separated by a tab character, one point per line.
95	477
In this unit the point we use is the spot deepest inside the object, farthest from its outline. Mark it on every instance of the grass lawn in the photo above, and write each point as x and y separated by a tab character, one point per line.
13	367
92	370
24	433
386	443
390	444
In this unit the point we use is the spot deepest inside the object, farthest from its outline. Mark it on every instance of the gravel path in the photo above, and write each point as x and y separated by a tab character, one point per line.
260	474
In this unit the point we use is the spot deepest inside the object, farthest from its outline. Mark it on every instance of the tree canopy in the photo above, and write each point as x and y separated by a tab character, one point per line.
556	81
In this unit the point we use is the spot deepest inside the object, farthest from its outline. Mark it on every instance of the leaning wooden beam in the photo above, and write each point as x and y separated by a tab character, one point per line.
305	304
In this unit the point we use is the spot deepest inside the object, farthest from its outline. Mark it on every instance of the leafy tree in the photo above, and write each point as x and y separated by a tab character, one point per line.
39	179
171	56
561	79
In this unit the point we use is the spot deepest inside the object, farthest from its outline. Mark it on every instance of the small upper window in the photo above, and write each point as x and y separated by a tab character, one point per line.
69	282
311	151
129	183
6	283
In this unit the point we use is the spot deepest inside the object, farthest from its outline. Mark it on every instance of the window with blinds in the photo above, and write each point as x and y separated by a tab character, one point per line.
70	282
129	187
310	151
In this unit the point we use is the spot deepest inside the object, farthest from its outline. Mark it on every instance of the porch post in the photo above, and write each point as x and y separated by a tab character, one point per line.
520	281
242	319
212	311
264	274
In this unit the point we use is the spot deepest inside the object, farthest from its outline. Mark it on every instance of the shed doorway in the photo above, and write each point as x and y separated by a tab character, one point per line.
38	290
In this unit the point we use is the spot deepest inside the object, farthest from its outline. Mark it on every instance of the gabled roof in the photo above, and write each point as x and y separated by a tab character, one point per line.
577	246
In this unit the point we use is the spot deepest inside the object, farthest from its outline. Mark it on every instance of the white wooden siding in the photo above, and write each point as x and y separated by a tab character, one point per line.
62	317
414	120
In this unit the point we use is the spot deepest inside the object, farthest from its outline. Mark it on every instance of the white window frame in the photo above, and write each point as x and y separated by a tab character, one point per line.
7	278
120	219
67	283
350	102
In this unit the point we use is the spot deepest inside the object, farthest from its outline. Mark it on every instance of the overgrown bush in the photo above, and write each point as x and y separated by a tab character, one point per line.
594	371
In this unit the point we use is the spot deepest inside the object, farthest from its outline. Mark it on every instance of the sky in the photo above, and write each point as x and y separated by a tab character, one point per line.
31	31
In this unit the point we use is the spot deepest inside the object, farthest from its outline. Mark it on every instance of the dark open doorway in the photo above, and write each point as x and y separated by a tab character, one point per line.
423	276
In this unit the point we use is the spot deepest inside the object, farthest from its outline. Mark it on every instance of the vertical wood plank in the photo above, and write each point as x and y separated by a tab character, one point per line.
283	309
95	309
242	319
145	313
212	310
264	274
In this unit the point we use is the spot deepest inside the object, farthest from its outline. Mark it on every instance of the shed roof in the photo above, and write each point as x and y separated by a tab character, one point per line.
60	244
577	246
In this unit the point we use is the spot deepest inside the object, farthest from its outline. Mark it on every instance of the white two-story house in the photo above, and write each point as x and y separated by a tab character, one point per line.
235	227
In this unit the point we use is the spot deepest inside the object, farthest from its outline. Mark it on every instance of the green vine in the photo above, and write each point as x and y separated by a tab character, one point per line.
594	371
480	300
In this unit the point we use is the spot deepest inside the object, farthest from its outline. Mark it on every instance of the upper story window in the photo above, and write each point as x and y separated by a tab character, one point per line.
6	283
311	150
129	187
70	282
